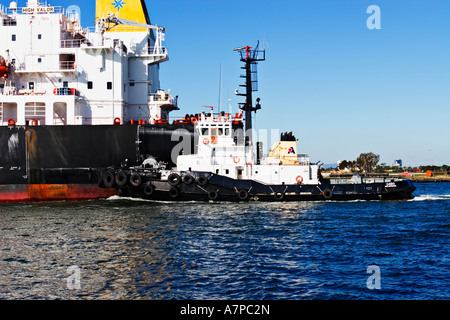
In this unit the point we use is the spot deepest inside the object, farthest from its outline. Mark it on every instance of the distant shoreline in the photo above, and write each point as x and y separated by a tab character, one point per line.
414	177
430	179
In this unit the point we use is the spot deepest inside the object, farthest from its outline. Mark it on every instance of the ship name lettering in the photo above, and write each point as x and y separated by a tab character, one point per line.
38	10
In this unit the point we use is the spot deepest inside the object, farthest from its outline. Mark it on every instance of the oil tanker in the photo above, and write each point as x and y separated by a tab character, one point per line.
74	99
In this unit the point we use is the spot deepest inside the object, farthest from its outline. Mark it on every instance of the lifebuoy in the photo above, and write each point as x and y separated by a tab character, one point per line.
236	159
205	140
299	179
11	122
193	120
116	120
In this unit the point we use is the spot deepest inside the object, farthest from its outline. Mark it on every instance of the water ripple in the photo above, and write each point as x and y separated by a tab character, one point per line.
133	249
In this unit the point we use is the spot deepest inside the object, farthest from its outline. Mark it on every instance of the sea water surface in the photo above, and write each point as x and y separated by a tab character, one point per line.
134	249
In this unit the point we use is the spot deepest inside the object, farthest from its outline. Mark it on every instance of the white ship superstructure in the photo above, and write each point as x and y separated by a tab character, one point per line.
54	72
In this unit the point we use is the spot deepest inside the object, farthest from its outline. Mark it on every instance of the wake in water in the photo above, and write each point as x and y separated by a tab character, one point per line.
428	197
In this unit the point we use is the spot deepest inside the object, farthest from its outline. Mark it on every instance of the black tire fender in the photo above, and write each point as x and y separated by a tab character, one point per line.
109	179
202	180
148	189
174	179
327	194
188	179
135	179
213	194
174	192
243	194
121	178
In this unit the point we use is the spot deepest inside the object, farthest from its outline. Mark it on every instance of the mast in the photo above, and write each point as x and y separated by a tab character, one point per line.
250	58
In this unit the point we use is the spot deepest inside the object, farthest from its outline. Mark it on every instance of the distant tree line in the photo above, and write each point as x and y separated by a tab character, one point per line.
368	163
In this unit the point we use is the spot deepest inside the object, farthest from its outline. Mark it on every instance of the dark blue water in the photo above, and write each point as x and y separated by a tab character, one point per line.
130	249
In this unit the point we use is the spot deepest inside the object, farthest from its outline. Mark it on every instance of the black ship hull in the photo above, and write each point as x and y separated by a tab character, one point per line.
204	186
62	162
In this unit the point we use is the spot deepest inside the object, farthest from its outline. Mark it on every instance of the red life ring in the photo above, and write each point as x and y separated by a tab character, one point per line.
205	140
236	159
11	122
116	120
193	120
299	179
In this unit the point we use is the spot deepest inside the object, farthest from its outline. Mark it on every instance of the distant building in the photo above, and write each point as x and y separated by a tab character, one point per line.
398	163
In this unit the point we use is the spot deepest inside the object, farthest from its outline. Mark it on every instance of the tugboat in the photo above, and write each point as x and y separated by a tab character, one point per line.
226	168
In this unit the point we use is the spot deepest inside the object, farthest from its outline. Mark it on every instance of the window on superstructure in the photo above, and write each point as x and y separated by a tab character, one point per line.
39	60
65	84
13	37
205	131
109	85
90	85
39	36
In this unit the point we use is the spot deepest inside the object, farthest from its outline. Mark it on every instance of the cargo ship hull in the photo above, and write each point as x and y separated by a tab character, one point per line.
45	163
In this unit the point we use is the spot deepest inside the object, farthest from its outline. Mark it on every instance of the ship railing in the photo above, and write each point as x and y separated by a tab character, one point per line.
163	97
37	67
149	50
359	179
74	43
303	159
67	65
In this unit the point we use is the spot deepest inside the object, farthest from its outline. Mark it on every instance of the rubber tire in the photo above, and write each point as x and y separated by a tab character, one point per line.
279	195
202	180
135	179
148	189
174	192
327	194
243	194
188	179
121	178
213	195
174	179
108	179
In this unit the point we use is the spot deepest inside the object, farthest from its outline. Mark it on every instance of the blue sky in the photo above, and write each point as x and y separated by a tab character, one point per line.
341	88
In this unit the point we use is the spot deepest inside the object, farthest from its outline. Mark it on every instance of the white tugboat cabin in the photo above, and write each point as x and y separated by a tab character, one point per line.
224	151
